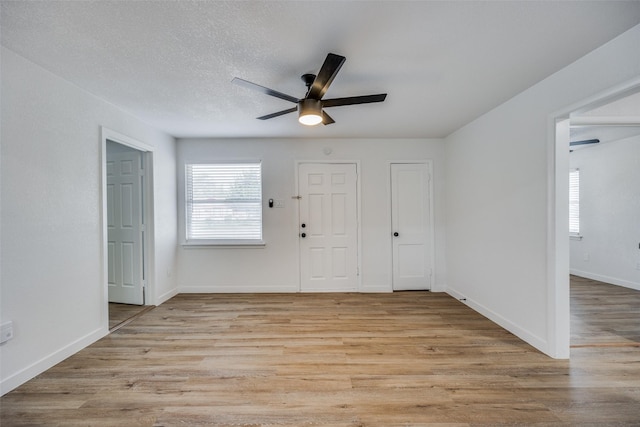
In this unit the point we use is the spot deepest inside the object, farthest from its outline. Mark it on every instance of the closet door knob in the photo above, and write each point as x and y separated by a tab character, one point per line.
396	234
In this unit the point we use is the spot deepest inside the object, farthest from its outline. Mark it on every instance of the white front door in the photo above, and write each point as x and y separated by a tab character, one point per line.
328	227
125	227
411	226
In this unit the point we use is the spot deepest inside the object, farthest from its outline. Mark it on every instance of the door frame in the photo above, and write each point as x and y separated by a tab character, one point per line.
432	244
358	215
146	150
558	303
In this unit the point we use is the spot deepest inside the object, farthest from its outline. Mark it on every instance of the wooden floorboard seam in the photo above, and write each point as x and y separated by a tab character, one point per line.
608	344
132	318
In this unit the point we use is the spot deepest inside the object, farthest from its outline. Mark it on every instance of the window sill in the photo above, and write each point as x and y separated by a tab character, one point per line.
575	237
225	244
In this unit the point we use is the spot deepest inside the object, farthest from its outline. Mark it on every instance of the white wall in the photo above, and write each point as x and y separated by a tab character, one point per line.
51	269
500	204
609	213
275	267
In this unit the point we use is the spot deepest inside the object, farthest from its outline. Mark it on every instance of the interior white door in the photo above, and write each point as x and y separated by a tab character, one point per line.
328	227
125	227
411	226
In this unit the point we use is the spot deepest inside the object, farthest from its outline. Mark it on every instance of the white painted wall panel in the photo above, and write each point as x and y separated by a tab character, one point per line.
498	171
275	267
51	267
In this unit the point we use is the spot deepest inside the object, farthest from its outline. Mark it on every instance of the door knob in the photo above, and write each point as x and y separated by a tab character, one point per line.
303	225
303	235
396	234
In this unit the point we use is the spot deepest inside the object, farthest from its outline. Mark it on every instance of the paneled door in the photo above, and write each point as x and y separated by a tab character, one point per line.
328	227
125	227
411	226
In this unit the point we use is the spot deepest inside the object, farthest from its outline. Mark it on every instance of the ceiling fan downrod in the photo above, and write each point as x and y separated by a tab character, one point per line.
308	80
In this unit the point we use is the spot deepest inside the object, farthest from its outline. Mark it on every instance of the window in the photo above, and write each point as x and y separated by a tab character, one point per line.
574	202
224	203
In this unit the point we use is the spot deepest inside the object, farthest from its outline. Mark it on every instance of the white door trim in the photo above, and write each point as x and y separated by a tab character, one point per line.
149	243
358	214
558	317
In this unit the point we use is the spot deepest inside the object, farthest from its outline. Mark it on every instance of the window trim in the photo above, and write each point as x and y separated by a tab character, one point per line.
219	243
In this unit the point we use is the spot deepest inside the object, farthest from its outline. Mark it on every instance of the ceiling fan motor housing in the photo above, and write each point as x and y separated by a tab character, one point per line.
310	111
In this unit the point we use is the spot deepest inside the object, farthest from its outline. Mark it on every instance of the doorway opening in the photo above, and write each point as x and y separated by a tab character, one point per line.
127	224
583	134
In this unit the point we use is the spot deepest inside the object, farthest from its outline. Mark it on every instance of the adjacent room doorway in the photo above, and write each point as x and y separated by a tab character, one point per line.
558	238
127	226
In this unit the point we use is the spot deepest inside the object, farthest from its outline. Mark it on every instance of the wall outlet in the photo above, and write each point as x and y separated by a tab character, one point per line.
585	256
637	265
6	331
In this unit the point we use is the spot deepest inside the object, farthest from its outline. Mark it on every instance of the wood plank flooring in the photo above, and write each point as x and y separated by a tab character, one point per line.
120	314
401	359
603	314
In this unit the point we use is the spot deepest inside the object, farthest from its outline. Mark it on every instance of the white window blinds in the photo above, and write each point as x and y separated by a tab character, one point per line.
224	201
574	201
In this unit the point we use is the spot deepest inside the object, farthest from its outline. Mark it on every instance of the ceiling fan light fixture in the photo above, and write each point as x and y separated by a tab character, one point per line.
311	107
310	112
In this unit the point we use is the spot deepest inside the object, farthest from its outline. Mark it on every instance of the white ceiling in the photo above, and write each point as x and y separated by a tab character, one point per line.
442	63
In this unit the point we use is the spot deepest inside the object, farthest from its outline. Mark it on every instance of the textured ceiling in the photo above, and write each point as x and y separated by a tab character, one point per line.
170	63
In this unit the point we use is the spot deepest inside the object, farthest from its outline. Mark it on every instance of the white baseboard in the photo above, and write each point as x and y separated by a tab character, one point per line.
438	287
278	289
24	375
167	296
232	289
376	290
606	279
516	330
224	289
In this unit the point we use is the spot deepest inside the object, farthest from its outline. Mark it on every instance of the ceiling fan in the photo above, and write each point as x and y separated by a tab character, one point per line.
310	108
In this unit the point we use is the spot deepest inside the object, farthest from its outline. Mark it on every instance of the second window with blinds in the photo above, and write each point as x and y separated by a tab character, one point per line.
223	203
574	203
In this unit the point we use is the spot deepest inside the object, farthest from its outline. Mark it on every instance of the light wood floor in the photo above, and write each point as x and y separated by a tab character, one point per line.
120	314
603	314
402	359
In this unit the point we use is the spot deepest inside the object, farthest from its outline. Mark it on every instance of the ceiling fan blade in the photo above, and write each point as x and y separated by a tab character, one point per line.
585	142
265	90
365	99
326	119
279	113
325	76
